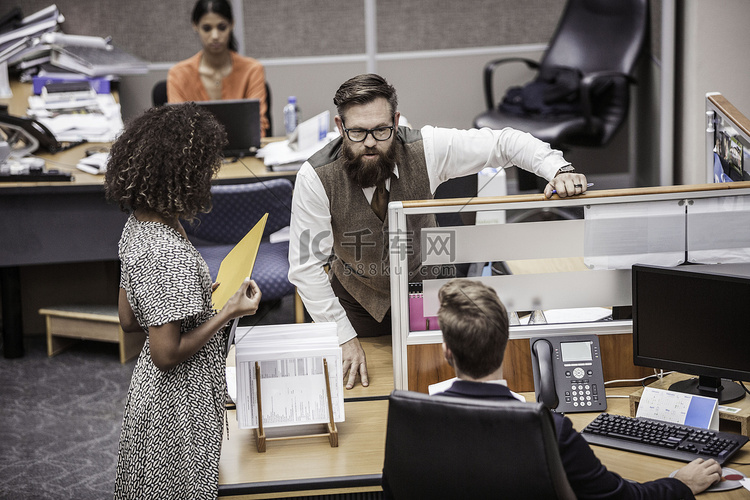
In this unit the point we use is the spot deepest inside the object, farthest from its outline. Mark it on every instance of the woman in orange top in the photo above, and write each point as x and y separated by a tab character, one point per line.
218	71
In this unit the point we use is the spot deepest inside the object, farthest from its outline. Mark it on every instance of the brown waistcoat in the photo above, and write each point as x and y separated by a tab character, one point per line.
360	239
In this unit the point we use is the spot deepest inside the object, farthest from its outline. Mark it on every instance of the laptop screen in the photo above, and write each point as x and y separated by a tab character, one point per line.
241	120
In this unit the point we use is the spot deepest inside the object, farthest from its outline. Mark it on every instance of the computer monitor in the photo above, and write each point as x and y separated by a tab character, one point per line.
241	120
691	319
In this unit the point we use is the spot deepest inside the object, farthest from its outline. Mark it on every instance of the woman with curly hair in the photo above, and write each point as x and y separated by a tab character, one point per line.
160	171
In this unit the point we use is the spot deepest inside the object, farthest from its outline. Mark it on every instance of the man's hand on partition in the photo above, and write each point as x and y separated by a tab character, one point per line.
566	185
354	363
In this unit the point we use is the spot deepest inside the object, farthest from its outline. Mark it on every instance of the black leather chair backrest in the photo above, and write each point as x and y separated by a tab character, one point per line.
601	40
447	447
269	130
599	35
159	93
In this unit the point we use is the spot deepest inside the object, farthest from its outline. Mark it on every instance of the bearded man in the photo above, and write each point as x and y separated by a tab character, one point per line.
339	214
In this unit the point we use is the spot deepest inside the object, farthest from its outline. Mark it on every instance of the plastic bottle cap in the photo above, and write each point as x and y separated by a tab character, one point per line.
292	99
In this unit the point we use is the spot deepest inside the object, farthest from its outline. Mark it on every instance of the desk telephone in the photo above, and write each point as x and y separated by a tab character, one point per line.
568	374
9	125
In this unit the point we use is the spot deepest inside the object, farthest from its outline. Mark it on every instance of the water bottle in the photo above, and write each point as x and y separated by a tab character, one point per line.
291	115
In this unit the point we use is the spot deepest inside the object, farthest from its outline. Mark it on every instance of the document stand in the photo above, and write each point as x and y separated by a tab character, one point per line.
260	434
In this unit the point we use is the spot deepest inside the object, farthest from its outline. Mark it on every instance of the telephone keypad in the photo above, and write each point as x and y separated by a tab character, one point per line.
583	393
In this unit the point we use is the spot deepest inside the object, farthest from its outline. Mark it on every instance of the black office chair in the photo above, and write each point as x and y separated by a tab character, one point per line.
600	42
269	130
159	93
458	187
448	447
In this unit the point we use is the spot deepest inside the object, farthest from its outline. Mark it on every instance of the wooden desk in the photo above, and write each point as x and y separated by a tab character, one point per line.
729	422
643	468
312	467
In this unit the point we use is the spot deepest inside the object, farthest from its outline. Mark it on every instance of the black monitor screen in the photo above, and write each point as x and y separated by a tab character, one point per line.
692	320
241	120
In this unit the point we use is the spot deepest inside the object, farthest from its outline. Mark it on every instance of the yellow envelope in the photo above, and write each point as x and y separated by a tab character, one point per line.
238	264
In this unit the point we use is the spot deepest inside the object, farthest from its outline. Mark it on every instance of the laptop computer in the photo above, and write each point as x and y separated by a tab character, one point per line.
241	120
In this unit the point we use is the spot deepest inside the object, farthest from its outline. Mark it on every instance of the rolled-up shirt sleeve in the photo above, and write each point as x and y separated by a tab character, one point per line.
453	153
310	246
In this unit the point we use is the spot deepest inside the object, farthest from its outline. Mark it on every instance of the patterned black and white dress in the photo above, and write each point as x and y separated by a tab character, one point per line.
172	424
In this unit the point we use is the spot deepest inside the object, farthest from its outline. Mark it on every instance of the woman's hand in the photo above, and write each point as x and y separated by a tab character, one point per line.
245	300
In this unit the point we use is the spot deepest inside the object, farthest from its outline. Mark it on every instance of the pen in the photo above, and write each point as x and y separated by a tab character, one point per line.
554	191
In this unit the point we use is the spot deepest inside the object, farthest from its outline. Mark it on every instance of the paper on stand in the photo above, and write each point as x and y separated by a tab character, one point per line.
679	408
310	132
293	388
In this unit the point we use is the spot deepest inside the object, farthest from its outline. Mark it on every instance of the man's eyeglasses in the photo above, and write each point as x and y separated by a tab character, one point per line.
359	134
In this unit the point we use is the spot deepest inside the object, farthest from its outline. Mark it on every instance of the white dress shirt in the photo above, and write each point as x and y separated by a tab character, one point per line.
449	153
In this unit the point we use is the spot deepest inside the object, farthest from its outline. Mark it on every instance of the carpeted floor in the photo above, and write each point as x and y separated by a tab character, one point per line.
60	417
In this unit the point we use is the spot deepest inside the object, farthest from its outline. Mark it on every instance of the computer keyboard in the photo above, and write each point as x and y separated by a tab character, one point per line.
662	439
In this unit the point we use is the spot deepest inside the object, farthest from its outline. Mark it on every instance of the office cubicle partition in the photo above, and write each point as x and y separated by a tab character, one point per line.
568	265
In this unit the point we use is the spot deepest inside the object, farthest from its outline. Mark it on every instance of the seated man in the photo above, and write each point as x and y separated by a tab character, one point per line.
475	333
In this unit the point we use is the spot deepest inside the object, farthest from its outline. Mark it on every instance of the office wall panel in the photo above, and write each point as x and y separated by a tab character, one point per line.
447	24
156	31
160	31
294	28
454	102
656	12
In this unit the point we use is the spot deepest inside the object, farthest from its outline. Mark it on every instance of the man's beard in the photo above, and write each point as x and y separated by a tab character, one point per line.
366	173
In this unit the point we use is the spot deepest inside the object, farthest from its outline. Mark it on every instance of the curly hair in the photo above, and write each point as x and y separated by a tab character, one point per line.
164	161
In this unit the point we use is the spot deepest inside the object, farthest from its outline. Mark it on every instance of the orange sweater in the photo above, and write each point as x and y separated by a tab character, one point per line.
246	81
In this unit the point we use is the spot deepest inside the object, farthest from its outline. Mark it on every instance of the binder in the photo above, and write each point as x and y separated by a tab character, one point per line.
96	61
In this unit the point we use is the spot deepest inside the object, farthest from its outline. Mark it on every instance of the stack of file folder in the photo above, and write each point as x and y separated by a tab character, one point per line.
29	43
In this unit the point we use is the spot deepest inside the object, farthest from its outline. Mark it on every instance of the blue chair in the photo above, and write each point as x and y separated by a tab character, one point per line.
236	209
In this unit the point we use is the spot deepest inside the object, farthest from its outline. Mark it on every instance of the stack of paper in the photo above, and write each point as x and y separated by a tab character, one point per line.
293	388
93	61
94	164
309	137
94	119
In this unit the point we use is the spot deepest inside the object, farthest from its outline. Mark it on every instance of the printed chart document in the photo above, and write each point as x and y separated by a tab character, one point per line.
679	408
293	388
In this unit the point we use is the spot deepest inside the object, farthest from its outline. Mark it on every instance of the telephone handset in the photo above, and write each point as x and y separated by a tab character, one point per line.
35	129
568	374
